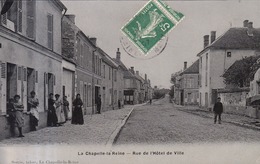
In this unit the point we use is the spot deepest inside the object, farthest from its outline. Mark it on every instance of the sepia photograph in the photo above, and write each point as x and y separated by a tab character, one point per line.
129	81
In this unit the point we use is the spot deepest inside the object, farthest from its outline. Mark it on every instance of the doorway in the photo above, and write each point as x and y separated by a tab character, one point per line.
11	81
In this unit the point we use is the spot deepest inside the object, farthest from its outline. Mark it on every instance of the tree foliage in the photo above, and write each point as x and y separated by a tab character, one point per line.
171	93
242	72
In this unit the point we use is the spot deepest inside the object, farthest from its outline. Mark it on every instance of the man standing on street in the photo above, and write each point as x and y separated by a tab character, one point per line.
218	109
98	102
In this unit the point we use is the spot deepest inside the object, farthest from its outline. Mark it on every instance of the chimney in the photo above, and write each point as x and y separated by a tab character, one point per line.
118	54
71	17
212	36
132	70
93	40
137	72
185	65
206	40
245	23
250	29
145	77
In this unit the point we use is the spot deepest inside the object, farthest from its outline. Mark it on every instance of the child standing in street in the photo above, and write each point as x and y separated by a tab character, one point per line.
218	109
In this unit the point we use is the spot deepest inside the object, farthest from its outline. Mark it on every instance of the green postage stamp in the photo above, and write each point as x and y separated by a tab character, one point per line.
151	24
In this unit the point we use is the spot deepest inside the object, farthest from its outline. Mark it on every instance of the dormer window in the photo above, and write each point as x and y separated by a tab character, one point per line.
229	54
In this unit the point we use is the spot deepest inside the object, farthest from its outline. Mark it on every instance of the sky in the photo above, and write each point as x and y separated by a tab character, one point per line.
104	19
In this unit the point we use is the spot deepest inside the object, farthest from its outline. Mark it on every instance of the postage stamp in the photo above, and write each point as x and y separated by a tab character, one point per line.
151	24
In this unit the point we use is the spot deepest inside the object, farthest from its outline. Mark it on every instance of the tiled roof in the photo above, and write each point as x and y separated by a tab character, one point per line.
237	38
193	69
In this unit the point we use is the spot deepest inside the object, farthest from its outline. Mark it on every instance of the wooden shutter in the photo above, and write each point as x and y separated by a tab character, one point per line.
30	19
50	31
19	15
3	17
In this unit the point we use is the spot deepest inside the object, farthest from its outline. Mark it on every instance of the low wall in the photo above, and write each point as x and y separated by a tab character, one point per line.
242	110
5	126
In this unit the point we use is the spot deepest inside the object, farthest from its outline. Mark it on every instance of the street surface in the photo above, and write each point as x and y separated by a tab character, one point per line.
97	130
161	123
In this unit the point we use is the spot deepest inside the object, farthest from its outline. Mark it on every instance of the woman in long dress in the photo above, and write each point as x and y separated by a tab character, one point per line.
33	104
59	110
52	117
77	114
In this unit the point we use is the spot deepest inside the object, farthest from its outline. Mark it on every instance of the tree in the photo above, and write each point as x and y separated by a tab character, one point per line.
171	93
242	72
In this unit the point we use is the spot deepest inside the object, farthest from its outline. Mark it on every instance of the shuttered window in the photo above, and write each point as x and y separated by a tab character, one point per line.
19	15
24	74
3	70
50	31
3	17
19	73
30	19
36	76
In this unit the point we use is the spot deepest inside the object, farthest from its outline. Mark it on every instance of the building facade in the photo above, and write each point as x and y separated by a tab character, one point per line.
218	55
82	49
30	38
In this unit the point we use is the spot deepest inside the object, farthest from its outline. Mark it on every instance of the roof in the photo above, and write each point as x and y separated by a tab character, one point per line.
252	60
236	38
120	63
193	69
107	59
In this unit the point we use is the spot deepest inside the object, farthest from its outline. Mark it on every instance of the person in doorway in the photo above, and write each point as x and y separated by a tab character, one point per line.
11	116
18	107
59	110
119	104
52	117
33	104
218	109
77	114
66	108
98	102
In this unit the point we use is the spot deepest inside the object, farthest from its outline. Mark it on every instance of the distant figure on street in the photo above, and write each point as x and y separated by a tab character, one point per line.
11	116
33	104
150	101
77	114
59	110
119	104
66	108
18	107
98	102
52	117
218	109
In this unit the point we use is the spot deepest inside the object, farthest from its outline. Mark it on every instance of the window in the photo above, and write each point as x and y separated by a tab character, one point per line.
3	17
19	15
206	76
115	75
30	19
229	54
50	31
104	71
109	73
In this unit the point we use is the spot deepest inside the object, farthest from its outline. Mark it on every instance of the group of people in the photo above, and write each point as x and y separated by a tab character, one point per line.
57	115
57	112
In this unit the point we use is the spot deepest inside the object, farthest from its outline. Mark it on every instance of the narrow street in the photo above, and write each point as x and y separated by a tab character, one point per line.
161	123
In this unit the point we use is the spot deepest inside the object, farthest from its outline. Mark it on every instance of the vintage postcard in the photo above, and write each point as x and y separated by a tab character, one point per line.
122	82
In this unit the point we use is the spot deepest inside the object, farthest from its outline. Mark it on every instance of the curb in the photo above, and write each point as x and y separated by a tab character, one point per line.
248	126
115	134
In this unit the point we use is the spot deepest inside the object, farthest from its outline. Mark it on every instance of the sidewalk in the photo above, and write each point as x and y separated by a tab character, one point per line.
98	129
239	120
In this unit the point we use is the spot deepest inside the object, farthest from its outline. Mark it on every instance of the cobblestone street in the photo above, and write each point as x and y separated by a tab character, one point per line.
161	123
97	129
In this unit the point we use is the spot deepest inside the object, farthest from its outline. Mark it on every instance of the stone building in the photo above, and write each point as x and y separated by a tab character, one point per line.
112	78
219	54
30	48
189	85
82	49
